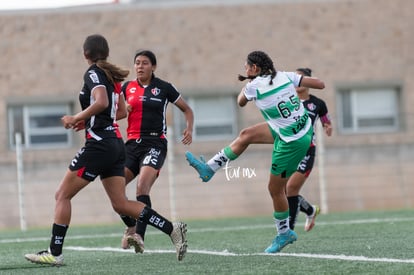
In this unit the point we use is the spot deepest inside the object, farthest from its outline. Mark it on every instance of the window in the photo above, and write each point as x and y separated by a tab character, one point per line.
39	125
368	110
214	118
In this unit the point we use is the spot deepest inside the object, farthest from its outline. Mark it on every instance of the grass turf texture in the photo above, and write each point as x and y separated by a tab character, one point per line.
344	243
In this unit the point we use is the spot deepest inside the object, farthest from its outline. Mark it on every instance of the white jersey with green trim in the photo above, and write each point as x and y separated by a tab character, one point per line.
280	105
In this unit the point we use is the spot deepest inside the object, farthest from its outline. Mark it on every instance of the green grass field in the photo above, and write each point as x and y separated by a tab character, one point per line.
345	243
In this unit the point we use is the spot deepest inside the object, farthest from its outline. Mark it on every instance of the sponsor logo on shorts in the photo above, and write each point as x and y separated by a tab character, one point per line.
90	175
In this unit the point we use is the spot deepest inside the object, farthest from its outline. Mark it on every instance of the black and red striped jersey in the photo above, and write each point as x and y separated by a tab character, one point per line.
316	109
102	125
147	116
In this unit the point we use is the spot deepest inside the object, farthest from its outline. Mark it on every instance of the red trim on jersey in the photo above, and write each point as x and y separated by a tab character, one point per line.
325	119
134	94
308	173
117	87
79	173
118	133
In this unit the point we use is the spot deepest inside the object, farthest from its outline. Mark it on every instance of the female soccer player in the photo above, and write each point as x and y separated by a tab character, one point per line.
102	155
275	95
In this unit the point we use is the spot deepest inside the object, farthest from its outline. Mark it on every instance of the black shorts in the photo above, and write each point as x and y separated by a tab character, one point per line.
306	164
104	158
145	152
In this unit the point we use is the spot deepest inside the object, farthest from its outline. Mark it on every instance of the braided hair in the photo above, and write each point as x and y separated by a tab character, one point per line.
264	62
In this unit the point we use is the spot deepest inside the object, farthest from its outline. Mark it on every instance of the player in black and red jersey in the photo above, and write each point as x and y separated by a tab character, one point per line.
261	134
103	154
316	109
147	98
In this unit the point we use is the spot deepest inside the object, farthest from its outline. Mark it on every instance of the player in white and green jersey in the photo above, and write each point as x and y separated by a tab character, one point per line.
276	98
275	95
279	104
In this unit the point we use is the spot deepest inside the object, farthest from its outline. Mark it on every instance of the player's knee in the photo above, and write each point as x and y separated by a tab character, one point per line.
57	195
120	207
61	196
246	135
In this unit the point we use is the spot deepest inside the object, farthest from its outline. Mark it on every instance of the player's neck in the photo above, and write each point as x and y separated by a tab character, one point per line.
144	83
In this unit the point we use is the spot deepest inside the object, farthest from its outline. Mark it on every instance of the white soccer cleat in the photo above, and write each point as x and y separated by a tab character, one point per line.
310	220
45	257
137	242
179	239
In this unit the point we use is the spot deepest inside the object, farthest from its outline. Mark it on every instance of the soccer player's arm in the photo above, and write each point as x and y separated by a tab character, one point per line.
326	120
121	111
242	99
312	82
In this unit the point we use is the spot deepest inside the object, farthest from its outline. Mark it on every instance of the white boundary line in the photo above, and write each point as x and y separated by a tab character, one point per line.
212	229
226	253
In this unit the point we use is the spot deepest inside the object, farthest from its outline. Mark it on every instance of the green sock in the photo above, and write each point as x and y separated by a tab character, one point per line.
229	153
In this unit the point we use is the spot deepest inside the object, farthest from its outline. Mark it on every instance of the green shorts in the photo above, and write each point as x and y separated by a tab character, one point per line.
286	156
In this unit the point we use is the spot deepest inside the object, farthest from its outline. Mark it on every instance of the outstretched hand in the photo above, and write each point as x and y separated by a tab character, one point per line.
328	129
69	122
187	137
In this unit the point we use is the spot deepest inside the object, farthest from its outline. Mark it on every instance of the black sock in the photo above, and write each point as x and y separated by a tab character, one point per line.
58	236
305	206
149	216
141	225
129	221
293	210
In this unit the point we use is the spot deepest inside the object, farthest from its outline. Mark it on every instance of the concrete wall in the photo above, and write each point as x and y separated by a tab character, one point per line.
202	49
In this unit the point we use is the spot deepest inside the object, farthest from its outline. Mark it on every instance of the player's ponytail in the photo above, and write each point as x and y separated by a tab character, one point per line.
112	72
96	49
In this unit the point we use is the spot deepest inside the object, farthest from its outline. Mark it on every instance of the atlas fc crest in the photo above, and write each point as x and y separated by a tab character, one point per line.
311	106
155	91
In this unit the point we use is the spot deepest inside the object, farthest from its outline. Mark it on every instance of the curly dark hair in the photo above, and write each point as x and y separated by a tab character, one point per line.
264	62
